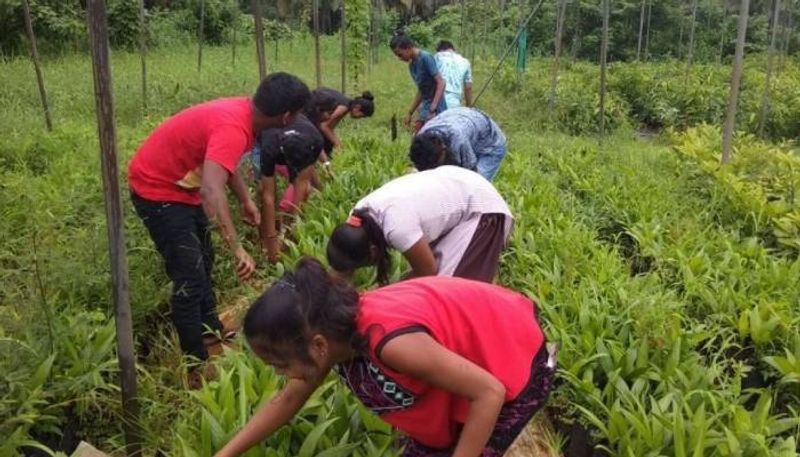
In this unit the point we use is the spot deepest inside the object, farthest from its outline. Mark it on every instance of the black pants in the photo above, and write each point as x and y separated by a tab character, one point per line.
183	238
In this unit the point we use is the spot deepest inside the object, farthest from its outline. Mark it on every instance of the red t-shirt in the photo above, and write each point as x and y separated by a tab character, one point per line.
493	327
169	165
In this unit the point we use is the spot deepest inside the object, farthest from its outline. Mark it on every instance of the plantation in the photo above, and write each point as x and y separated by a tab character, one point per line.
669	281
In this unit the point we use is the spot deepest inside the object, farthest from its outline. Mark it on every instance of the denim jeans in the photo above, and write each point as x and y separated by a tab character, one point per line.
182	236
488	164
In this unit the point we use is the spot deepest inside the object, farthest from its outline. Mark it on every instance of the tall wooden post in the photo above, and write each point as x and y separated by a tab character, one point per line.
787	35
37	66
344	47
200	35
143	52
641	30
647	35
262	58
690	53
233	33
736	79
603	65
104	104
562	6
317	57
762	116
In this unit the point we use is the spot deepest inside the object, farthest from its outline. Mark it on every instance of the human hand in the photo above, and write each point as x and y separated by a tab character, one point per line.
250	213
245	265
407	121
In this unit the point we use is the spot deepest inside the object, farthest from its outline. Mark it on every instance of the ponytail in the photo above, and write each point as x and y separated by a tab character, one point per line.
351	245
366	102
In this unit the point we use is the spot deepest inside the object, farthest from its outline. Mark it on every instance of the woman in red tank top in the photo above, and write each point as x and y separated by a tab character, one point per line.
459	366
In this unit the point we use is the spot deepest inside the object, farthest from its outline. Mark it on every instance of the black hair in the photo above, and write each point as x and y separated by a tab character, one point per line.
445	45
280	93
426	151
401	41
301	302
350	246
366	102
301	147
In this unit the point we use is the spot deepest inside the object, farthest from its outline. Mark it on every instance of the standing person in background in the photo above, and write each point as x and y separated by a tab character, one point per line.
457	73
327	107
446	222
177	180
460	367
465	137
430	83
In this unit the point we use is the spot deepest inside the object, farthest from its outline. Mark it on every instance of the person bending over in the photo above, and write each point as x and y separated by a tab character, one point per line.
447	222
327	107
465	137
459	366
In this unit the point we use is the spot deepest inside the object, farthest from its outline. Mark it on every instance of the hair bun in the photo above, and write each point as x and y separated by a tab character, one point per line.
367	95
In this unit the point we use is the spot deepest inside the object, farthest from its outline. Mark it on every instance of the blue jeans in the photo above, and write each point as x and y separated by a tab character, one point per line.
488	164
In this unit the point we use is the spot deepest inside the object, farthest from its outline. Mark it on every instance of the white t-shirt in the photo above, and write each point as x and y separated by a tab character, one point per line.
430	203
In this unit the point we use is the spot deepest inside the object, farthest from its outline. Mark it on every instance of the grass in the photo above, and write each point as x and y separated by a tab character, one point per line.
663	298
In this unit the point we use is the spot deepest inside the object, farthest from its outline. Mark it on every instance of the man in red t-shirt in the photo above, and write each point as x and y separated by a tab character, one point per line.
177	180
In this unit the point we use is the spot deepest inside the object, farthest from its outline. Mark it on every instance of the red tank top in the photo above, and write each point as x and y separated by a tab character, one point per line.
493	327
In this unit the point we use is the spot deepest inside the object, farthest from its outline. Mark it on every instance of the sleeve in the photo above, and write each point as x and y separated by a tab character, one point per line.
226	145
430	65
461	150
270	148
468	74
401	229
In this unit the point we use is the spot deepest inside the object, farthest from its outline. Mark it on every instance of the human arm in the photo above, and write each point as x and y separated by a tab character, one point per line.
421	357
412	109
302	187
437	96
215	205
270	244
270	417
250	213
328	127
422	260
468	86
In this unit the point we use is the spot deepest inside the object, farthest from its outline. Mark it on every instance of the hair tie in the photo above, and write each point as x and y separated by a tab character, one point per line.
354	221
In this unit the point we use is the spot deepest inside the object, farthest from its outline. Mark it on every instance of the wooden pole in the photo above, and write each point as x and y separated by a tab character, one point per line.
262	58
200	35
562	6
318	60
762	116
736	79
344	47
463	10
106	129
647	35
233	40
143	52
641	30
37	66
690	53
603	65
787	35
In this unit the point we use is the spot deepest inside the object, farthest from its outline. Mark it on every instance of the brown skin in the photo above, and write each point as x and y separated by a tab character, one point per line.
422	260
407	55
215	204
270	242
468	94
414	354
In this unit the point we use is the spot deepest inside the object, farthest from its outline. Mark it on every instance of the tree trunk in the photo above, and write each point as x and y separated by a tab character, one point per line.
736	79
318	61
37	66
104	106
762	116
562	6
260	53
343	30
690	53
233	41
787	35
641	31
603	64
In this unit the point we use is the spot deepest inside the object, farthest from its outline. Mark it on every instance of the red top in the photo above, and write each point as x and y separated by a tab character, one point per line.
493	327
169	165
